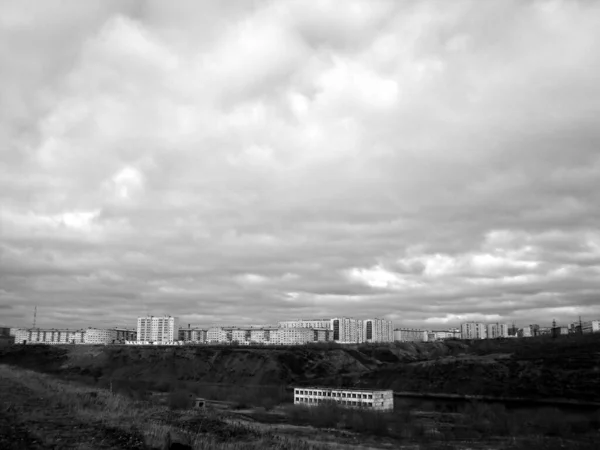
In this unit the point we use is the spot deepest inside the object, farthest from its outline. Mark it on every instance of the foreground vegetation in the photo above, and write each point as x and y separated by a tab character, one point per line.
40	411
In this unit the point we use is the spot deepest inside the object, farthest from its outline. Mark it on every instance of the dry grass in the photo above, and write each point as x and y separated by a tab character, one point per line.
200	429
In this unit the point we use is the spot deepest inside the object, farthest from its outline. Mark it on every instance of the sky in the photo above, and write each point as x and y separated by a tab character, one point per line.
247	162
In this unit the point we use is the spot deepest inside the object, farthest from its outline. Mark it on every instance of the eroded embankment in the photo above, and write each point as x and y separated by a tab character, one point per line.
567	367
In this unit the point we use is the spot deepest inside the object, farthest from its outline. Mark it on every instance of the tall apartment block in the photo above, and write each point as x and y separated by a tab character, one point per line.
473	330
158	329
347	330
497	330
378	330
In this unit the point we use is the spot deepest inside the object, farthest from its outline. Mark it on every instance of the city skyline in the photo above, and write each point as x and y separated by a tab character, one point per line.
249	162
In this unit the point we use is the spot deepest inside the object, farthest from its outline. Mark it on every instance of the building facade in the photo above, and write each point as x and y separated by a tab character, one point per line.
100	336
497	330
410	335
306	323
49	336
473	330
347	330
381	400
193	335
378	330
592	326
160	329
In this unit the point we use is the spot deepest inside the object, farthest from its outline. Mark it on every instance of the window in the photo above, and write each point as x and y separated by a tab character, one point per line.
370	395
353	395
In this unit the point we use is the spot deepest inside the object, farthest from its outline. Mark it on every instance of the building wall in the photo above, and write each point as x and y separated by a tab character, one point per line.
295	336
473	330
100	336
378	330
410	335
217	335
347	330
306	323
592	326
351	398
196	335
497	330
49	336
158	329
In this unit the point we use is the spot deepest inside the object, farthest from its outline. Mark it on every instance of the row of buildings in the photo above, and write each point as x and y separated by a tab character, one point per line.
480	330
167	330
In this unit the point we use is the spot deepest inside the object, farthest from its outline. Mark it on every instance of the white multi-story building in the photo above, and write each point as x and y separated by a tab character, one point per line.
218	335
591	326
347	330
49	336
306	323
378	330
382	400
161	329
473	330
410	335
497	330
100	336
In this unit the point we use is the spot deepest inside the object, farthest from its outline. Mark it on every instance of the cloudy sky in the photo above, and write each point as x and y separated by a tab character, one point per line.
253	161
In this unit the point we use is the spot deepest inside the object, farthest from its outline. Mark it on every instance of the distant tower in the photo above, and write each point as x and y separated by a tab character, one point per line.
554	329
34	315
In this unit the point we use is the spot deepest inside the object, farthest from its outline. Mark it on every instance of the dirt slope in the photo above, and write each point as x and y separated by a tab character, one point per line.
563	368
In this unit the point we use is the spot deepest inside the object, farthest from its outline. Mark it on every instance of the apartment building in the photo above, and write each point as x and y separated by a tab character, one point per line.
161	329
100	336
410	335
381	400
347	330
295	336
592	326
473	330
497	330
306	323
218	335
442	335
195	335
524	332
126	334
378	330
265	335
48	336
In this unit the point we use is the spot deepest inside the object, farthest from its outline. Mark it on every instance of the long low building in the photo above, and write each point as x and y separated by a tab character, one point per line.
381	400
90	336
